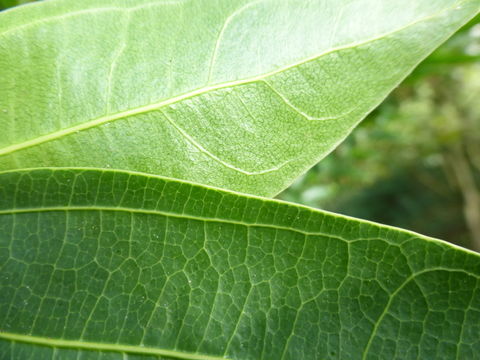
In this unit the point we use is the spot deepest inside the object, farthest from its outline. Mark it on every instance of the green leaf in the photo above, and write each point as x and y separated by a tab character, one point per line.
98	264
239	94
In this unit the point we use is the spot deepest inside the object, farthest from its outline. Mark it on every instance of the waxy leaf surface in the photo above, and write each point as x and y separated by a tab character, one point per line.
112	265
240	94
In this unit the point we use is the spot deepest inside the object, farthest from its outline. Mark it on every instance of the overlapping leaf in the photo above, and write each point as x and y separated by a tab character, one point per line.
111	265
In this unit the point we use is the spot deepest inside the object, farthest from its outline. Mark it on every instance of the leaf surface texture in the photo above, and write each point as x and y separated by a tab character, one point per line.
114	265
239	94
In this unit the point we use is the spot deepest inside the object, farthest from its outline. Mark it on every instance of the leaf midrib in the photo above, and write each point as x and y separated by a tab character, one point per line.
206	219
167	214
203	90
144	350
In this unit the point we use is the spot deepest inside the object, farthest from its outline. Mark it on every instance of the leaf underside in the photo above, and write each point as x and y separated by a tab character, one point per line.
109	265
238	94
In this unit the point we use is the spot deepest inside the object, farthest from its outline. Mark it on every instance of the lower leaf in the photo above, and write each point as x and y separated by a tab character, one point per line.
113	265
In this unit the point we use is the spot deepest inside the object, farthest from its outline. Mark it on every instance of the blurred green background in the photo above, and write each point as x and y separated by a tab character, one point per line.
4	4
415	161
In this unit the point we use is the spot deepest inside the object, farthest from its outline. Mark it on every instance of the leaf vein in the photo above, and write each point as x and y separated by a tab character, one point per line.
225	24
62	343
216	158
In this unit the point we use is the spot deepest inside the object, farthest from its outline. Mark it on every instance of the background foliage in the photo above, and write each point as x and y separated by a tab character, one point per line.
415	161
4	4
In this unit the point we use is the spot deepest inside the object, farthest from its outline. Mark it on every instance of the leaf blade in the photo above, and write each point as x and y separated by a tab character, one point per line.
228	119
180	267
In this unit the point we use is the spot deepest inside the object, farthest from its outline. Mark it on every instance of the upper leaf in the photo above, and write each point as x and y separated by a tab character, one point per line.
240	94
97	265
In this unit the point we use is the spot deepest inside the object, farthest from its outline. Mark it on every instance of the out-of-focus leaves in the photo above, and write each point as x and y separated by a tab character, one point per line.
5	4
463	48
